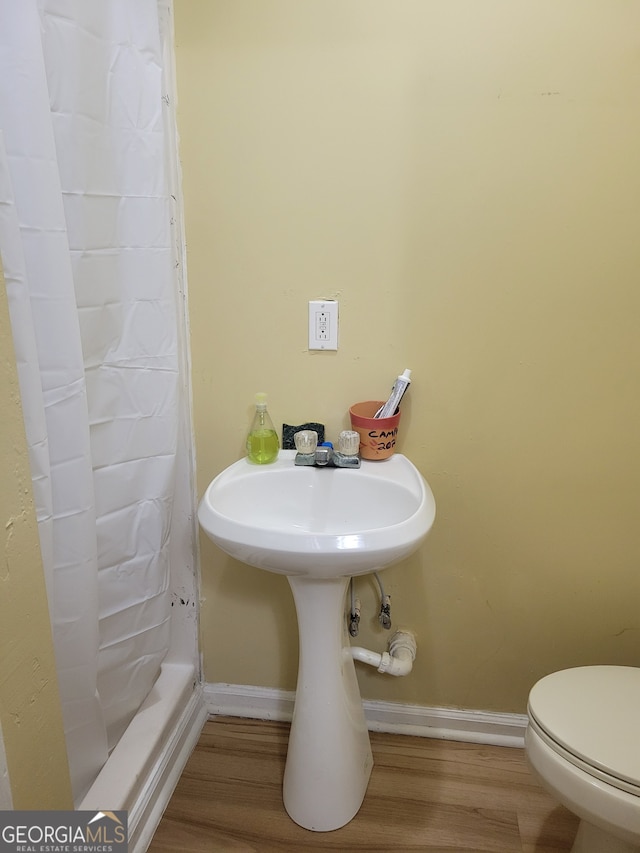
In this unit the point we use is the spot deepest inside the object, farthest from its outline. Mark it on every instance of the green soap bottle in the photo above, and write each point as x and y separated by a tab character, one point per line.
262	441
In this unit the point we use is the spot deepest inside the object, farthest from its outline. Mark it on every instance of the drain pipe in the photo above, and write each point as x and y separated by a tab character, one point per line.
397	661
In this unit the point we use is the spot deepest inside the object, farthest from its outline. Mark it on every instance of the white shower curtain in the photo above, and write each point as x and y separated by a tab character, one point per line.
86	245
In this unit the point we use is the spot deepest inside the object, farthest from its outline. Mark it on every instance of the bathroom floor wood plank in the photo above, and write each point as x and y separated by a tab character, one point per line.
550	830
424	795
456	772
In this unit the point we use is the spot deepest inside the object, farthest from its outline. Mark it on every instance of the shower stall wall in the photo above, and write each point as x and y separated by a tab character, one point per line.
91	242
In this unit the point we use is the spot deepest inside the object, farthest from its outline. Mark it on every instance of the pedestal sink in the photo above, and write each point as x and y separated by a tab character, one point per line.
321	526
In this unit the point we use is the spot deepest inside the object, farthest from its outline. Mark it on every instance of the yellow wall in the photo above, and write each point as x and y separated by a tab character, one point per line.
464	177
30	715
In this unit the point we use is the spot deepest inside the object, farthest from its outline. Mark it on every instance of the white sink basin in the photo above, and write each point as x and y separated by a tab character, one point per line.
318	522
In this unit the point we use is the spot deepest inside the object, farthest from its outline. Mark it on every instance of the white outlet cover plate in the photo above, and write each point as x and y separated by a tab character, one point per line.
323	324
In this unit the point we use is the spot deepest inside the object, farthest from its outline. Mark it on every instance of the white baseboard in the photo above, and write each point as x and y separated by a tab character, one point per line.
264	703
490	727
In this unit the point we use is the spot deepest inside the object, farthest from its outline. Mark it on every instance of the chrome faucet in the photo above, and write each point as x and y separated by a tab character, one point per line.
308	452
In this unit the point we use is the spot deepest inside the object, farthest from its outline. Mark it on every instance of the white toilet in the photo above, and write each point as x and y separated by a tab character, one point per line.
583	743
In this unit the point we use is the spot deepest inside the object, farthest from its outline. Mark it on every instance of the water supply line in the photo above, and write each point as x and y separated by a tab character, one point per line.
354	612
397	661
384	617
385	605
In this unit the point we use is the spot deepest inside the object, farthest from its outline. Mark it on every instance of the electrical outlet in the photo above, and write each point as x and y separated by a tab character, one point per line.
323	324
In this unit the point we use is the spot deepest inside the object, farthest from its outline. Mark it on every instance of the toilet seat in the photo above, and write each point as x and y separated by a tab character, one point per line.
591	717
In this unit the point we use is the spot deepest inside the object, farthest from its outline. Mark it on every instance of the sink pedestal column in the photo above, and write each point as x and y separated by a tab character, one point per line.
329	757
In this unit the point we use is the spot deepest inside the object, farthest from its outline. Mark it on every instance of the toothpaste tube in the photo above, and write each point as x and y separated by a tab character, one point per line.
400	386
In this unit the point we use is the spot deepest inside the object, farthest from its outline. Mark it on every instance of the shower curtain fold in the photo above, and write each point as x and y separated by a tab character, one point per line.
86	244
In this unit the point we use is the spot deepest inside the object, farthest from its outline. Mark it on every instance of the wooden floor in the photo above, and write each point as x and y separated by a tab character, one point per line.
424	794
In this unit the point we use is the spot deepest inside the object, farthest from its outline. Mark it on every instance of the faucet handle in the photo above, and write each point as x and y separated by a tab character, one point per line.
306	441
349	442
